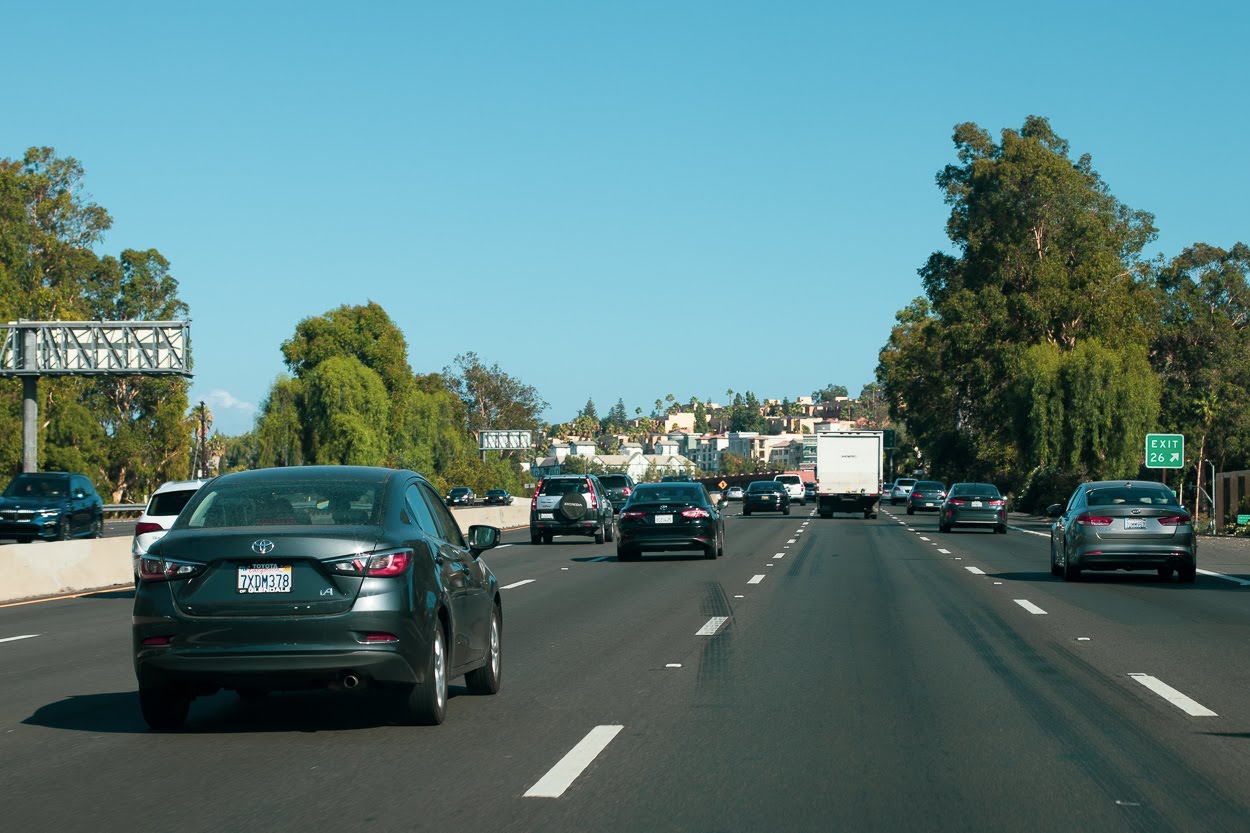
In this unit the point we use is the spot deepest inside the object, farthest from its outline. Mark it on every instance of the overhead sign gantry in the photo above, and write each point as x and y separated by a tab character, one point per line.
31	349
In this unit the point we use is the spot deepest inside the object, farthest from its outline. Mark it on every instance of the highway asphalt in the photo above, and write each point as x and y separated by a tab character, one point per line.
825	675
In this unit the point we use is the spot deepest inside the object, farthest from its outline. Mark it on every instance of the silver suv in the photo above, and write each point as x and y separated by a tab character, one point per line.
571	504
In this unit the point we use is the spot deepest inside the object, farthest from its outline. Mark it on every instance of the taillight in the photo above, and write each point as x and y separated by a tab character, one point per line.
696	513
1174	520
997	504
957	502
627	491
534	499
147	526
1093	520
167	569
157	641
594	499
380	565
633	513
380	637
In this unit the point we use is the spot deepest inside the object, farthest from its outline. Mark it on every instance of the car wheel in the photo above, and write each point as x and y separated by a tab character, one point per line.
786	511
611	533
600	534
572	507
911	510
485	680
62	529
1070	572
536	538
1001	529
97	527
1187	574
22	539
164	707
943	526
1054	565
426	702
547	536
1164	573
720	548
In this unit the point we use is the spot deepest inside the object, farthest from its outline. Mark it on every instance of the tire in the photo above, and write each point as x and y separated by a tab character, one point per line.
943	527
547	536
720	547
911	510
164	707
426	703
867	514
1187	574
872	516
485	680
600	534
1164	573
1001	529
1054	565
786	511
97	527
62	529
825	514
611	534
536	538
572	507
709	552
1070	573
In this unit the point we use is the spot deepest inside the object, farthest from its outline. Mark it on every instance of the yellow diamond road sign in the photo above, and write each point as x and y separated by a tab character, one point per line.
722	484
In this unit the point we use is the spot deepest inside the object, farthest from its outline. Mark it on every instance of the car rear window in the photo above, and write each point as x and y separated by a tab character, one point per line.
614	481
981	489
667	493
932	485
1134	495
564	486
297	502
171	502
765	486
904	481
788	479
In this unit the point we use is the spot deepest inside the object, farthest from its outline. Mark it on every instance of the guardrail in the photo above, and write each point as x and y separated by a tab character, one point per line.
121	508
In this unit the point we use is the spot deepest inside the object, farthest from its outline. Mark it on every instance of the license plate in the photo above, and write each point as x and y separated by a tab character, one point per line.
545	516
266	579
929	503
664	519
1134	523
976	504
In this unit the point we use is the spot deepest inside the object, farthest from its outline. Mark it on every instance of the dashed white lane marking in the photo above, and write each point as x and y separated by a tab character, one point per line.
1233	579
922	538
1030	531
911	529
15	638
564	569
561	776
501	546
791	541
711	626
944	552
673	665
1189	706
1030	607
805	523
756	579
779	555
976	571
739	597
520	583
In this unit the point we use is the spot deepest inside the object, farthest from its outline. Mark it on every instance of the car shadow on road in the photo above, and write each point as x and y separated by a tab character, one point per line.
119	593
225	713
1117	577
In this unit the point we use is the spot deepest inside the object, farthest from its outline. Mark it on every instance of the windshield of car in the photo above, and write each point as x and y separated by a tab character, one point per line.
300	502
666	493
765	486
1135	495
495	493
461	490
576	485
38	485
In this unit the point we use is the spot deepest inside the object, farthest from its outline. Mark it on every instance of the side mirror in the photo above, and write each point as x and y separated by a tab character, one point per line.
1054	510
482	538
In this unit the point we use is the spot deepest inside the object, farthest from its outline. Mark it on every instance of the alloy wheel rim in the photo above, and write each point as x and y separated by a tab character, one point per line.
494	646
440	672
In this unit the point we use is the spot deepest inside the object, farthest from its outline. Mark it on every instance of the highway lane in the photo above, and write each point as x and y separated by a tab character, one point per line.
866	681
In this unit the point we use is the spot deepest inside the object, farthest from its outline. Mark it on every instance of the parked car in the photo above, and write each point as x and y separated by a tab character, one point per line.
734	493
159	515
52	506
973	504
571	504
900	489
619	488
337	577
497	497
794	487
670	516
461	496
1122	525
766	496
926	496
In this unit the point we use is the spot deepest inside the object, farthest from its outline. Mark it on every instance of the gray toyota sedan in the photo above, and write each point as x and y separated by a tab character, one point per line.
1122	525
335	577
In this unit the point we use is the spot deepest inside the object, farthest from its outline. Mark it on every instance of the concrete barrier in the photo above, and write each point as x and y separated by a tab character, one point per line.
30	571
35	570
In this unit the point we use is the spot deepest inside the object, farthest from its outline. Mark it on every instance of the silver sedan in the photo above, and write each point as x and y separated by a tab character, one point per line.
1122	525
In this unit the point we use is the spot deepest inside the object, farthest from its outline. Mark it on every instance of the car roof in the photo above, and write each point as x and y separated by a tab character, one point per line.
178	485
282	474
1104	484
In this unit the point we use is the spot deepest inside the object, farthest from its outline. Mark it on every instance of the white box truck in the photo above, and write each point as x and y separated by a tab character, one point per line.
848	472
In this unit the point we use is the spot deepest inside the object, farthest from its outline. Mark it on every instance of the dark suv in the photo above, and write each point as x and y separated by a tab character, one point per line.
571	504
52	505
619	487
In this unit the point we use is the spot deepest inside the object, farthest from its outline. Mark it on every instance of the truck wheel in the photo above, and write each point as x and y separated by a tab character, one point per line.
826	513
867	514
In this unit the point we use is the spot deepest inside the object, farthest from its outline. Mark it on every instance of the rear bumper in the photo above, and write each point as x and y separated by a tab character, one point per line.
667	539
973	517
1134	557
274	670
558	527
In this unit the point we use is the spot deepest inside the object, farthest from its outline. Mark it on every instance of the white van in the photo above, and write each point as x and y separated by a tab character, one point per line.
794	487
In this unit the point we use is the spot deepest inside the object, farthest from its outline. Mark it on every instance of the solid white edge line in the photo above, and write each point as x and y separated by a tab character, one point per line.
711	626
977	571
756	579
1030	607
1186	704
1030	531
15	638
561	776
1233	579
518	583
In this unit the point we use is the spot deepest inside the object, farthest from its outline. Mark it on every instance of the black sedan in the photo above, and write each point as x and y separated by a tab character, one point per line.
766	496
973	504
497	497
670	516
331	577
461	496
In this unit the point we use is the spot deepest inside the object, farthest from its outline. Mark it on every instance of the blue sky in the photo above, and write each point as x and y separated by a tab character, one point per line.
608	200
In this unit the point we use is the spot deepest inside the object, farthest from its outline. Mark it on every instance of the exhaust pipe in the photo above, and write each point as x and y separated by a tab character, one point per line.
351	681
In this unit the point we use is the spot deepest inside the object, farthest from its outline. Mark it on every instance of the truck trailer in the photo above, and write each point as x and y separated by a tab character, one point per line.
848	472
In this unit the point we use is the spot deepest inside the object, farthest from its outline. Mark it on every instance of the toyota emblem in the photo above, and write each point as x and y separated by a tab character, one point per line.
264	546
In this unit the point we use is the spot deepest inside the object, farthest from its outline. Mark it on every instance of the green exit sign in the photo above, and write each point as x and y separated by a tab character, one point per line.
1165	451
890	438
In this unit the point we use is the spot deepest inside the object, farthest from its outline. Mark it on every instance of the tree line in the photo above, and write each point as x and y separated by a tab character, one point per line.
1047	345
